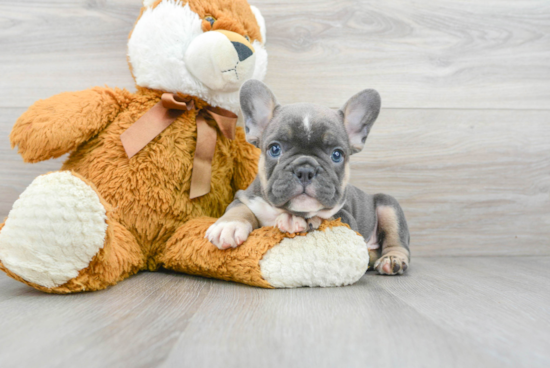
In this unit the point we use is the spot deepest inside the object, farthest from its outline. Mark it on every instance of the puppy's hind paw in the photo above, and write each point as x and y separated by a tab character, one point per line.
393	263
291	224
228	234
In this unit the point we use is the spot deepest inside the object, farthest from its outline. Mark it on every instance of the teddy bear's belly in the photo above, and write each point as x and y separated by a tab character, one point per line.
150	192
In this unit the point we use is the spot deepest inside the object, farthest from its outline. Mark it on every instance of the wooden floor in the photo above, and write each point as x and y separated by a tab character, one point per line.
463	142
446	312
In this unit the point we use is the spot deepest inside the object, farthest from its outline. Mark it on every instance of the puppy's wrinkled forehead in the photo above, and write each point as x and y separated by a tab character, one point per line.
305	125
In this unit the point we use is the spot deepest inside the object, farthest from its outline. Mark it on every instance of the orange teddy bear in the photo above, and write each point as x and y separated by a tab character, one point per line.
146	167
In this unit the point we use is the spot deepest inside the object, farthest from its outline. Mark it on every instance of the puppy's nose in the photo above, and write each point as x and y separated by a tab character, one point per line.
242	50
305	174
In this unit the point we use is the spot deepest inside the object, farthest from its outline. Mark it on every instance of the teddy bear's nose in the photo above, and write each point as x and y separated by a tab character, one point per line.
242	50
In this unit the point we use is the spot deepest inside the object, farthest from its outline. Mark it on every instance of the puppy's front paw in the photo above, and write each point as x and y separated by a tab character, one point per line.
313	223
393	263
288	223
228	234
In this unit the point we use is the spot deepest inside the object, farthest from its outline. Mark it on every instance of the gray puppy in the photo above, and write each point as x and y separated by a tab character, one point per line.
303	176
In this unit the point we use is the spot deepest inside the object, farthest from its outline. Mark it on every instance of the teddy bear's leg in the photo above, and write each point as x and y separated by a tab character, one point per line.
62	237
332	256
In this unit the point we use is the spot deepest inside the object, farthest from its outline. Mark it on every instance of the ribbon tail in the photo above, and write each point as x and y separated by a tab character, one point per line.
226	120
204	154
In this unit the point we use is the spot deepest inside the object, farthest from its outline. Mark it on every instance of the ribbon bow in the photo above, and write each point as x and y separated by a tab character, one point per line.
164	113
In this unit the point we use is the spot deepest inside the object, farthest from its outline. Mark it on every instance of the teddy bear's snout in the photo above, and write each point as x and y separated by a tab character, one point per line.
222	60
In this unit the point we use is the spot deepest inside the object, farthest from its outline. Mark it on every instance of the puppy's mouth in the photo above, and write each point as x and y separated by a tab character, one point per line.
304	203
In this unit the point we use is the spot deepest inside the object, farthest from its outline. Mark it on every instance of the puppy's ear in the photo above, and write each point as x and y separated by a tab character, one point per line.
359	114
258	104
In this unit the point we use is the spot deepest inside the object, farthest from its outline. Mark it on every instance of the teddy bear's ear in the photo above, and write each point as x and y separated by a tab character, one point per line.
260	20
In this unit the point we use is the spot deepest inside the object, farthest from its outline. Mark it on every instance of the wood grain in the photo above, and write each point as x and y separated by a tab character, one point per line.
446	312
471	182
422	54
417	54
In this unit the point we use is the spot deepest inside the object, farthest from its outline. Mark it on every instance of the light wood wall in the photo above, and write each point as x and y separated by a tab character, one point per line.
463	140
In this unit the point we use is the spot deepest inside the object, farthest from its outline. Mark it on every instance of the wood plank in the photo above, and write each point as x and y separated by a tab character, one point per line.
48	48
471	182
452	54
132	324
421	54
446	312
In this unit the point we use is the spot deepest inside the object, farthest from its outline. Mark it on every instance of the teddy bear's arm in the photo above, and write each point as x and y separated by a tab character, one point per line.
59	124
246	162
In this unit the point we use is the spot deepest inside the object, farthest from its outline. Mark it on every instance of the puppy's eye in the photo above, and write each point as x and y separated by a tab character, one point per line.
274	150
210	19
247	38
337	155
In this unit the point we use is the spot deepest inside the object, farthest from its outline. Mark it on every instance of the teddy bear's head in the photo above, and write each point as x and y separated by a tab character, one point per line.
202	48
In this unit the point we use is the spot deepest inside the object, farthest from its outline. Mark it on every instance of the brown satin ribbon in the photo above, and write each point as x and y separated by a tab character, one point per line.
164	113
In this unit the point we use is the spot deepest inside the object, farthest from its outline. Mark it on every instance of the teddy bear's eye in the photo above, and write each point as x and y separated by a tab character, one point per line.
210	19
247	38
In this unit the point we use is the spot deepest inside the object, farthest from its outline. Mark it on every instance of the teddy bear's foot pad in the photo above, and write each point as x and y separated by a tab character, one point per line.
337	256
54	229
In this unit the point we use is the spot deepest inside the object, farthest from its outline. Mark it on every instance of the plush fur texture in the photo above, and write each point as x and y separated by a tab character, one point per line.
303	263
261	22
151	191
105	217
146	199
59	124
157	53
120	257
187	251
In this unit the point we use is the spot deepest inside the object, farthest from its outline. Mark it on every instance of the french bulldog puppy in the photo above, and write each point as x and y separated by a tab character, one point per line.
303	176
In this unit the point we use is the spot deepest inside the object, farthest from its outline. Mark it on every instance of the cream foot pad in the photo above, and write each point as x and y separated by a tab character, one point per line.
54	230
334	257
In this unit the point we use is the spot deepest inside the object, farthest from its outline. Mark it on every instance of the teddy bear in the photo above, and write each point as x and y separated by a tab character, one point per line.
149	171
